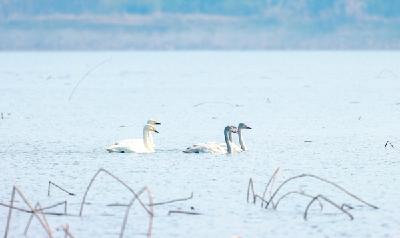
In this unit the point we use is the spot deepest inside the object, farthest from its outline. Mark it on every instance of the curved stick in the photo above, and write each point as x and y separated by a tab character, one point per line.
329	201
120	181
129	208
320	179
275	206
85	75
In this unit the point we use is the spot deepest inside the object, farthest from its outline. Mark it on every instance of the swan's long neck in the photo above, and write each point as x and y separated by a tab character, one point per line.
230	136
228	142
147	138
241	140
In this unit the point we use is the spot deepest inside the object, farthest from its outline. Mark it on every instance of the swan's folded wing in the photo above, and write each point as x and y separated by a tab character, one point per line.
128	146
210	147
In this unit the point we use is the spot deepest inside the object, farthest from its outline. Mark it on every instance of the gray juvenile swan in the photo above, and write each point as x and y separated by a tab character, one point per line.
212	147
242	147
242	126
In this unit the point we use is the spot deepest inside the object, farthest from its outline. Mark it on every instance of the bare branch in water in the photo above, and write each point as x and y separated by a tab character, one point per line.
43	221
39	210
117	179
270	182
151	216
275	206
172	201
85	75
57	186
330	202
183	212
320	179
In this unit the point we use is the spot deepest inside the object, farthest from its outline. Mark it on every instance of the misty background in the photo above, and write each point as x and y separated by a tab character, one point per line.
199	24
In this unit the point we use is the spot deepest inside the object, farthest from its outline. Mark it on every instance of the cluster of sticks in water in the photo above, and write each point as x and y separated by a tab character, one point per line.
40	212
269	202
272	200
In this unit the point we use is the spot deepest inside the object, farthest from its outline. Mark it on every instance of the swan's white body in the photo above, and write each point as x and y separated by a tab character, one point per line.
213	147
145	145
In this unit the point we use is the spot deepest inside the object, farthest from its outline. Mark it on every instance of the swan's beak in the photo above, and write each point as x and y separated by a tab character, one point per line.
156	131
247	127
157	123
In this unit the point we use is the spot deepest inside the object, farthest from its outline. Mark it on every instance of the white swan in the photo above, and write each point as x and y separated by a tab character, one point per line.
144	145
212	147
153	123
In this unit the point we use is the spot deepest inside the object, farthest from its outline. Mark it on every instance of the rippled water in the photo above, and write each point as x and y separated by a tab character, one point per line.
346	103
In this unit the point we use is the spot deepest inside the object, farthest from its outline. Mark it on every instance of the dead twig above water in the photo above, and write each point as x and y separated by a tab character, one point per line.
42	220
217	102
119	181
275	206
270	182
60	188
41	209
151	214
172	201
183	212
305	216
322	180
253	196
389	143
85	75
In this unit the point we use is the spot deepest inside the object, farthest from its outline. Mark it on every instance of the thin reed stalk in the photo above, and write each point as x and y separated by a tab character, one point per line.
67	233
151	216
270	182
184	212
39	210
172	201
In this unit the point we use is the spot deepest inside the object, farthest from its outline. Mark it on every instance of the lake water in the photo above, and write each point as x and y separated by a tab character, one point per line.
325	113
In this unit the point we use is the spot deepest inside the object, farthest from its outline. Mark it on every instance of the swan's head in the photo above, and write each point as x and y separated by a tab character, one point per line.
150	128
232	129
243	126
153	122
